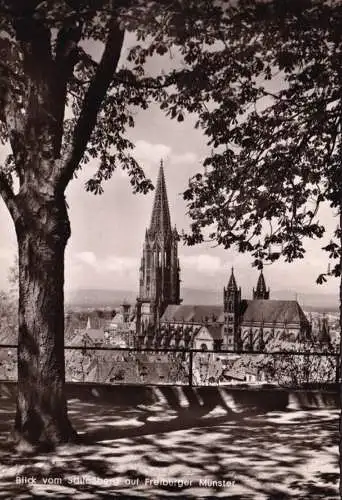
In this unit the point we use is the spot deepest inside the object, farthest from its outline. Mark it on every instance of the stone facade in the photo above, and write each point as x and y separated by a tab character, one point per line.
159	283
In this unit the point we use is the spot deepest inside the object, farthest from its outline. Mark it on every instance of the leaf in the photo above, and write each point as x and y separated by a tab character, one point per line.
321	279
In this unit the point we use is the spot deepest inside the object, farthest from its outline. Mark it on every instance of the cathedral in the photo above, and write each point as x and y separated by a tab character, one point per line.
162	321
159	284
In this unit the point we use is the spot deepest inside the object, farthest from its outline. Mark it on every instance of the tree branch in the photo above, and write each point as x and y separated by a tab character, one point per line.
65	60
14	123
8	196
92	102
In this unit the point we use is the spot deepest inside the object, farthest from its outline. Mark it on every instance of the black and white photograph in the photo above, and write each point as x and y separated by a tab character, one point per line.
170	249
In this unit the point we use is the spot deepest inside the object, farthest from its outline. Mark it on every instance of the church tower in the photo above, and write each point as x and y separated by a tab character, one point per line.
159	283
232	307
261	292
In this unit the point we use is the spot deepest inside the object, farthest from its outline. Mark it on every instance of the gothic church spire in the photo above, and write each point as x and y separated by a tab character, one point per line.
160	219
159	283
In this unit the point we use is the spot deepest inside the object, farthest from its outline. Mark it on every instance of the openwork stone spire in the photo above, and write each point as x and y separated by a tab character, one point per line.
160	219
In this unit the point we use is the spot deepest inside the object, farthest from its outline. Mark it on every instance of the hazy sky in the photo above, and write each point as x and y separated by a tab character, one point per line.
108	231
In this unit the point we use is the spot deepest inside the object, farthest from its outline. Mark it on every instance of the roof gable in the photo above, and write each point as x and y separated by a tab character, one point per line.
212	331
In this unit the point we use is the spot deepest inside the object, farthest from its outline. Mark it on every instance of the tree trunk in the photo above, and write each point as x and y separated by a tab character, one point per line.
340	352
42	232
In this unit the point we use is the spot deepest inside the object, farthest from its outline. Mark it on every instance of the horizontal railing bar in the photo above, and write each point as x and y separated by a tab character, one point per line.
264	385
157	350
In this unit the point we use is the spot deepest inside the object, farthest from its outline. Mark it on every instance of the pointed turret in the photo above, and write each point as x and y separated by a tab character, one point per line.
160	219
261	285
232	282
324	333
261	292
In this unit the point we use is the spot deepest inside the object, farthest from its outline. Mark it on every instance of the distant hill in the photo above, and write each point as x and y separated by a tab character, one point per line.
201	297
87	298
93	298
309	301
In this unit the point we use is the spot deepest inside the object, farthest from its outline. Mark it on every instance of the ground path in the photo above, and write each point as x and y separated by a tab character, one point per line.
157	451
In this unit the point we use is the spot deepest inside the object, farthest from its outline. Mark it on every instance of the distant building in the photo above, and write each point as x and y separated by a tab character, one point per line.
322	334
162	321
89	337
209	337
120	331
248	375
325	329
239	323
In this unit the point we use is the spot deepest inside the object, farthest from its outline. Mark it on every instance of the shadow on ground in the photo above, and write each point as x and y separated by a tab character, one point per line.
201	449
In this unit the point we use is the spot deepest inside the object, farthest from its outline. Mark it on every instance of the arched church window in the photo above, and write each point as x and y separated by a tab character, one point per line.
204	347
230	306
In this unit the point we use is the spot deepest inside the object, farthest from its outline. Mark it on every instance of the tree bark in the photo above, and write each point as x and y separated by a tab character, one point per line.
340	352
42	232
39	211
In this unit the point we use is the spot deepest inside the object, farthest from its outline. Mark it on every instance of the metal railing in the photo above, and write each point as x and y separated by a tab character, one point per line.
174	366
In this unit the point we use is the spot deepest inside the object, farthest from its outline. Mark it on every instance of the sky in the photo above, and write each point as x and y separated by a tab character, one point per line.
105	247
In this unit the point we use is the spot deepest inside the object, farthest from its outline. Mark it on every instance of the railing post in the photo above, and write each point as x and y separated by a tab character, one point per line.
190	367
337	373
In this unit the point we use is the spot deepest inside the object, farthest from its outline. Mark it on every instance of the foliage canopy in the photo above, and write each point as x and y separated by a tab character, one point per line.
273	117
54	86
